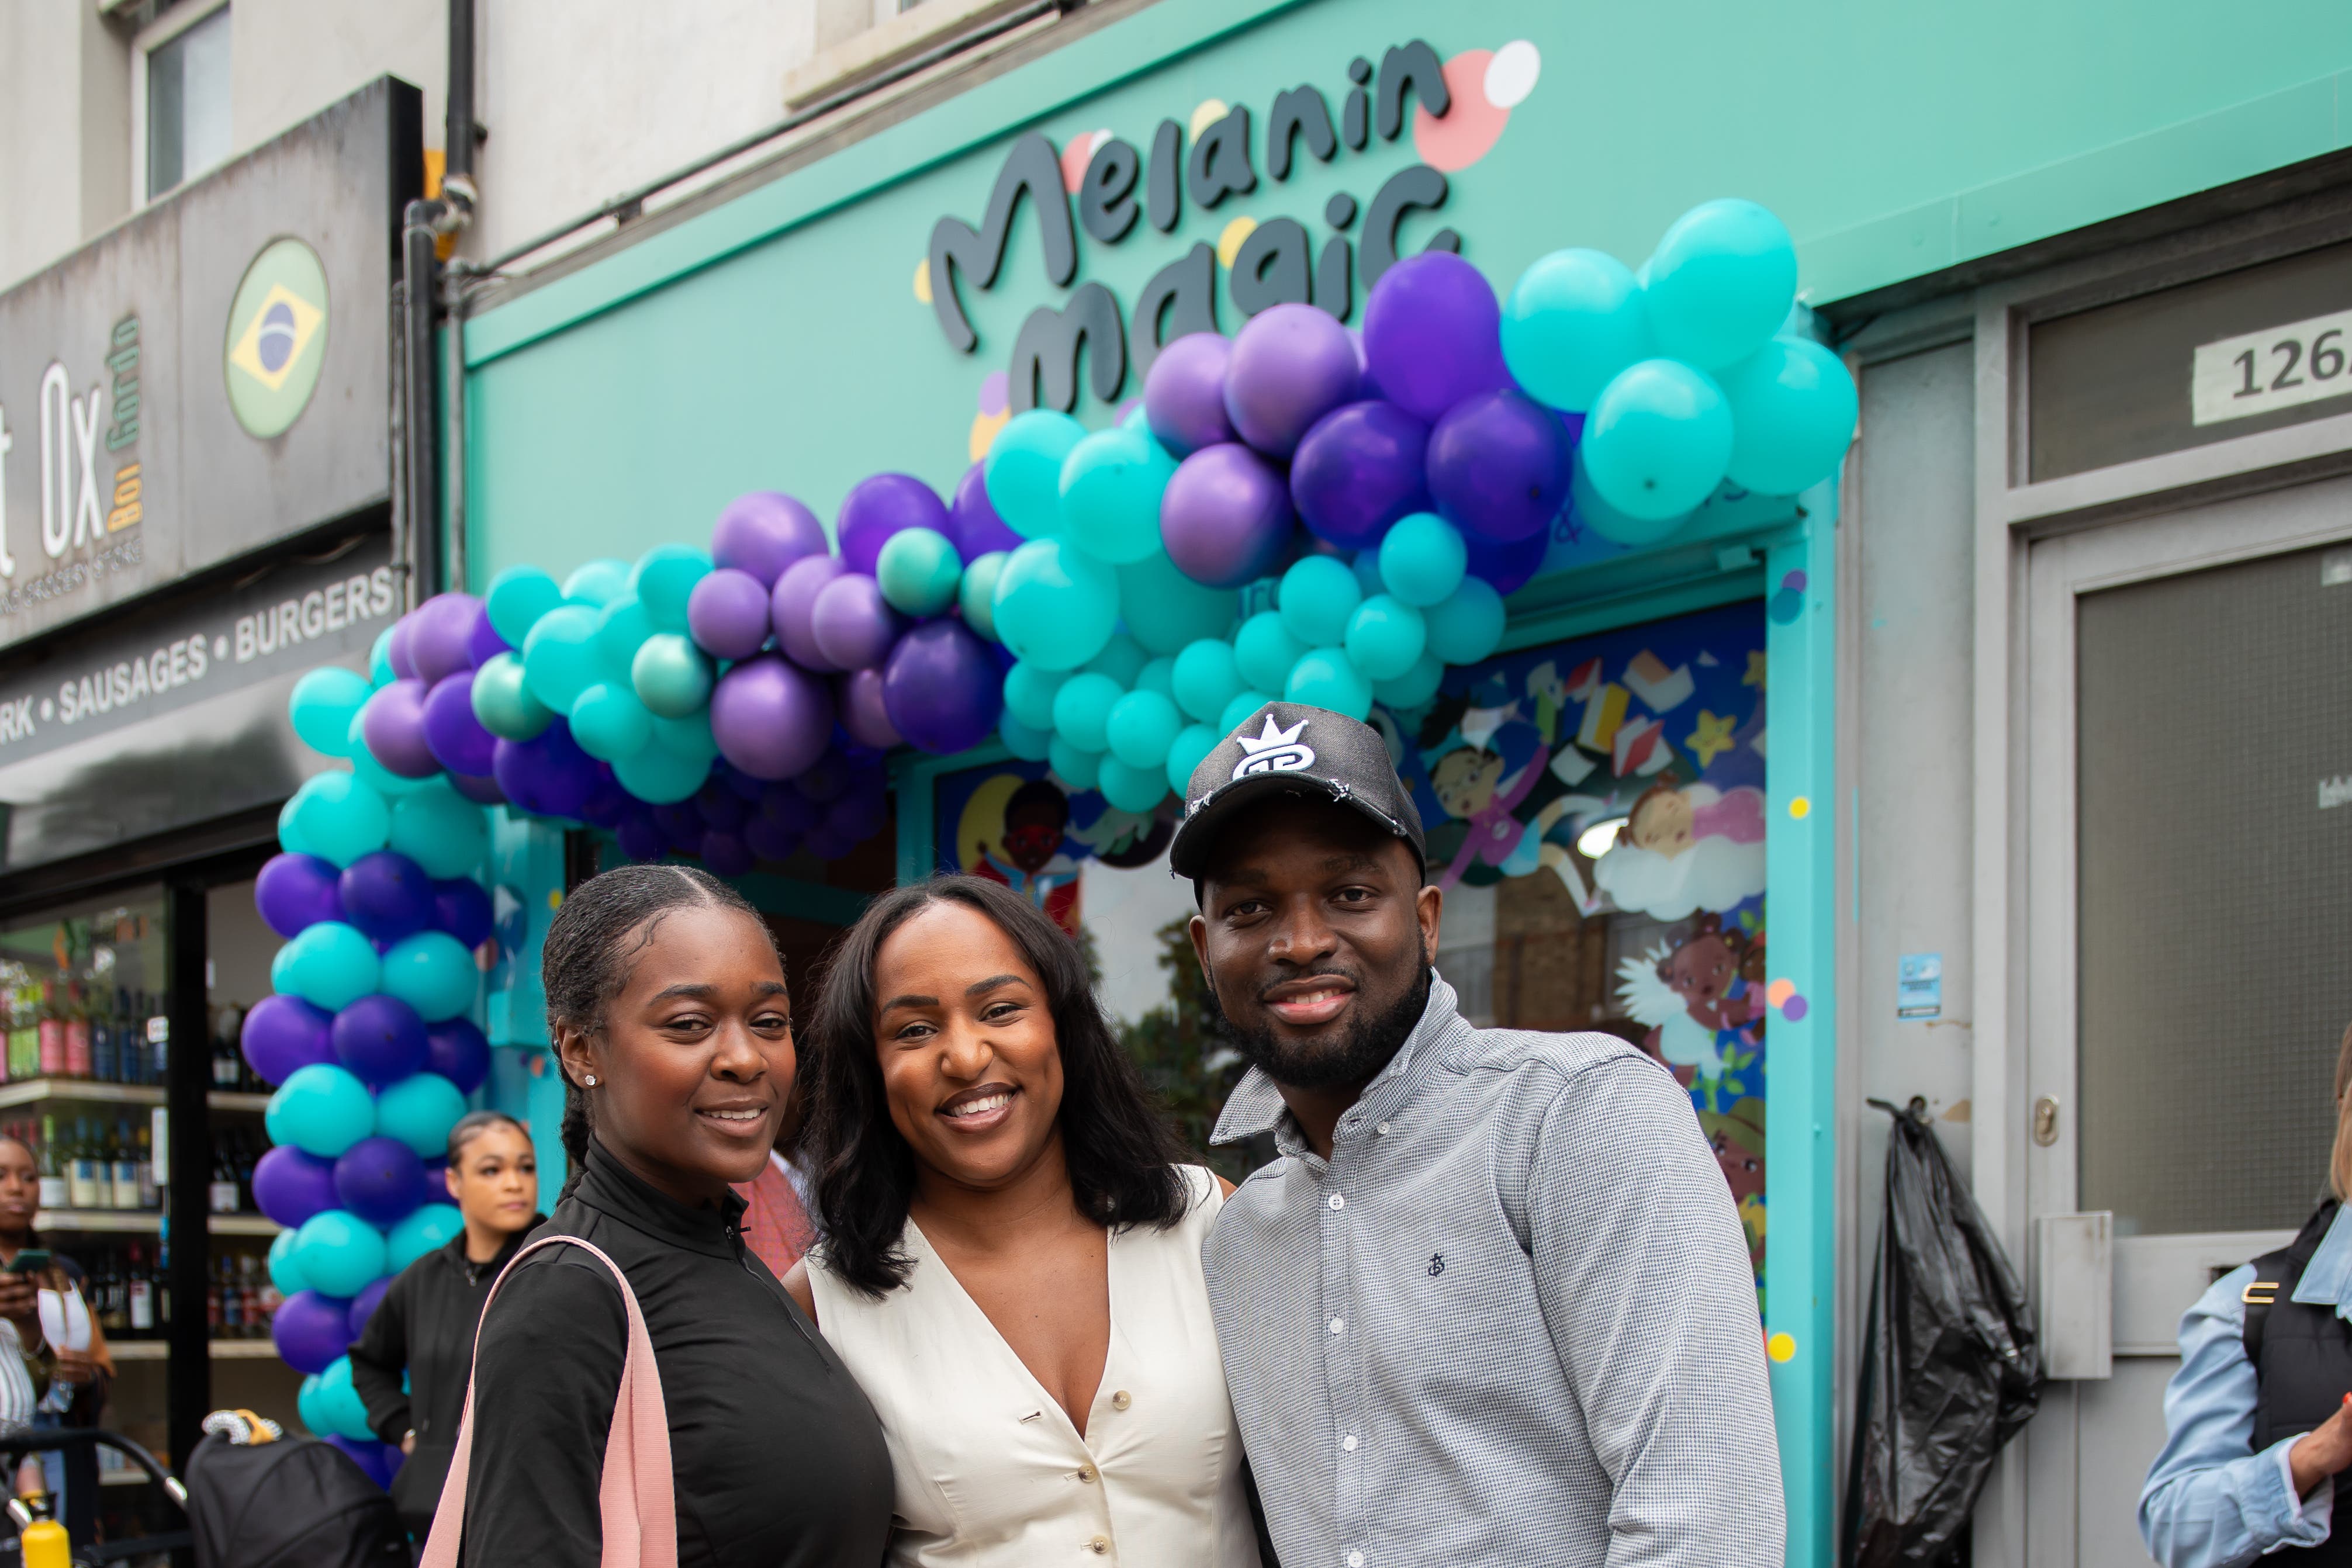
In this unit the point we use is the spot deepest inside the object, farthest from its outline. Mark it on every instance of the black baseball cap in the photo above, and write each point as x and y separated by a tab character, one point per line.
1289	748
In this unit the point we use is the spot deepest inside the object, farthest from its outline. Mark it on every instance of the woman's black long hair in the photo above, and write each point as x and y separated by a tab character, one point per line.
598	929
1122	1155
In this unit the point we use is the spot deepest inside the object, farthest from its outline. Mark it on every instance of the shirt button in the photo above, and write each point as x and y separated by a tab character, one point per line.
1349	1442
1338	1325
1086	1474
1121	1400
1338	1201
1382	1129
1099	1545
1355	1560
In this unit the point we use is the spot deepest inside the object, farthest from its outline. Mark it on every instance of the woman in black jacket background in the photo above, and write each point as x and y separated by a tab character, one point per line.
424	1326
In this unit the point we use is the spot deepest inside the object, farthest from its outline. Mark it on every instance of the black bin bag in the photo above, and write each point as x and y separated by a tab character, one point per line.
1950	1370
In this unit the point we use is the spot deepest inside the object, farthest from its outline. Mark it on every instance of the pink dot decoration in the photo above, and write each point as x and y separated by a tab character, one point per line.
1471	127
1779	992
1081	152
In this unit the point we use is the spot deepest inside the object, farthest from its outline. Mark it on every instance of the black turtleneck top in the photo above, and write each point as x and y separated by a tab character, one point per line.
777	1458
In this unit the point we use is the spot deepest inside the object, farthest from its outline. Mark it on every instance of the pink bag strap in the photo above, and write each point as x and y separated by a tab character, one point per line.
638	1508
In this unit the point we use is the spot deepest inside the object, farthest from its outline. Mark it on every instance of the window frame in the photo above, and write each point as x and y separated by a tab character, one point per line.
144	43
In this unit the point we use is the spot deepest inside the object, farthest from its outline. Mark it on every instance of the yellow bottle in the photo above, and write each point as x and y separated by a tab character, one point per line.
44	1542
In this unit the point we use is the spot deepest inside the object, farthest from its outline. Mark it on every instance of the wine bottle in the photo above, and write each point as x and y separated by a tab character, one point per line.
159	1039
148	1197
52	1165
52	1029
81	1174
123	1167
105	1047
115	1316
142	1297
77	1031
248	1292
221	1195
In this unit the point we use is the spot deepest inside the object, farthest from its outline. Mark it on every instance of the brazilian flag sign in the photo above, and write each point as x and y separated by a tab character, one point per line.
277	337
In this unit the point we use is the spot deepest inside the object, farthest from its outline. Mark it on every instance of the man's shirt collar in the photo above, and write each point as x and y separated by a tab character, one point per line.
1256	1104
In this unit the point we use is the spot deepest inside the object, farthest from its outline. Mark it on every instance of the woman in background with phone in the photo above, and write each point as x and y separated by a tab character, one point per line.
40	1382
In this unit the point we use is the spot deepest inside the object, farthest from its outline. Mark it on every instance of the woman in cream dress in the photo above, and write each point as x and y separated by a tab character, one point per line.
1012	1262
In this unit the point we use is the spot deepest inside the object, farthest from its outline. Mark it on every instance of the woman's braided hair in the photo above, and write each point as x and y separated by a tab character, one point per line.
597	932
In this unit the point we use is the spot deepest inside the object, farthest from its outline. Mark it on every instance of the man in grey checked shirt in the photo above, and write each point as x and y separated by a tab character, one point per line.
1493	1305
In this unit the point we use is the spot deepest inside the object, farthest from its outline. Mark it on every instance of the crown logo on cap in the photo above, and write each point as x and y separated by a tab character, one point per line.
1275	750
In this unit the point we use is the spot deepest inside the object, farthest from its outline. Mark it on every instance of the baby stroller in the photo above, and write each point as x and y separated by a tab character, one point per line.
258	1499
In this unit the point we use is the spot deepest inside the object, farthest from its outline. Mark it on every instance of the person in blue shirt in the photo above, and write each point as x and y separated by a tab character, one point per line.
2258	1420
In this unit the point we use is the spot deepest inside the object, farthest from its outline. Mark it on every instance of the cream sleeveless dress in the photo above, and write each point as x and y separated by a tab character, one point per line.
990	1472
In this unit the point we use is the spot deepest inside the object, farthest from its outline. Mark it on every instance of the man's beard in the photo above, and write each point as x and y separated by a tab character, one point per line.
1367	1046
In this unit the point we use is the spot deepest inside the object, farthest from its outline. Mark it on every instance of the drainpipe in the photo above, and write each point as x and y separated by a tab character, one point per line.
458	194
423	222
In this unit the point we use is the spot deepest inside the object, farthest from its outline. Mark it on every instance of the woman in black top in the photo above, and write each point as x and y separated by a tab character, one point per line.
424	1325
665	1000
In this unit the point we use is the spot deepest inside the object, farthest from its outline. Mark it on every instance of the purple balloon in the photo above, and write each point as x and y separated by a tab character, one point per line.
548	774
392	725
720	806
377	1461
1225	516
884	505
386	895
789	604
461	906
742	783
607	799
380	1039
452	733
483	643
770	840
441	644
681	824
855	817
380	1180
1498	466
857	696
283	1033
769	718
1184	394
1506	566
725	853
853	624
294	892
788	808
973	524
941	689
290	1186
763	533
641	837
455	1050
312	1329
727	613
1359	470
364	1305
480	788
1291	365
823	781
403	660
1433	334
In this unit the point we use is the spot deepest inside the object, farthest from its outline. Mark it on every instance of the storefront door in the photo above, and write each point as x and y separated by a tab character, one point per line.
2188	790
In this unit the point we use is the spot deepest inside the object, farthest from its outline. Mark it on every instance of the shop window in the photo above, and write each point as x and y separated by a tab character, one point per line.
188	103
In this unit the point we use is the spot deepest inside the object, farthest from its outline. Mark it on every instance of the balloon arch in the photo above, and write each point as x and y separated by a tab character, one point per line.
1077	596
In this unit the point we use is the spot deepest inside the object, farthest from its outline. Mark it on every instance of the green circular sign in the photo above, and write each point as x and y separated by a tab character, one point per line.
277	337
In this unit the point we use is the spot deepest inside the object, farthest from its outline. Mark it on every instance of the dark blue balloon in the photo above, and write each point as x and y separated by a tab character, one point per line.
377	1461
295	892
642	838
387	896
364	1305
682	824
380	1039
380	1180
289	1187
1506	567
720	806
312	1331
461	906
284	1032
455	1050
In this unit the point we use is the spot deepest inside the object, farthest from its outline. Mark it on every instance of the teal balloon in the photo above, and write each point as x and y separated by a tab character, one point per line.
1467	627
976	593
1193	742
560	658
1142	726
1595	513
379	670
1793	408
1264	649
434	1225
1205	678
1111	483
596	584
1023	478
918	572
1238	711
519	596
1658	441
621	627
320	1110
419	1111
671	677
1082	708
341	1413
1024	741
290	837
1367	568
1574	320
1720	283
1412	688
1317	595
433	973
1386	637
610	723
1159	675
661	778
1056	605
339	1253
1422	559
284	1272
1077	768
323	705
1164	610
688	734
441	830
341	816
1122	659
1324	678
663	580
1131	788
1029	693
502	701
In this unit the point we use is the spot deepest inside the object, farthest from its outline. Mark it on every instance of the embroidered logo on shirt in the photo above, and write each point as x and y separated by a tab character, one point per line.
1436	1264
1274	751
